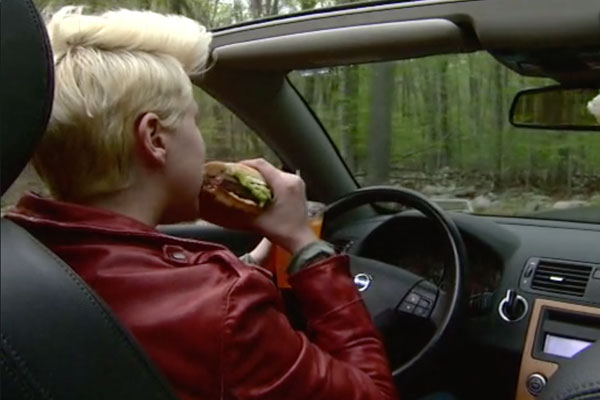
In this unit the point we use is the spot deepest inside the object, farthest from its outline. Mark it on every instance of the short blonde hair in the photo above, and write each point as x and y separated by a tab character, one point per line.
111	68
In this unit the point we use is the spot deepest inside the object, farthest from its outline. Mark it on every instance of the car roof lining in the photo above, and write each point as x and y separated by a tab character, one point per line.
491	25
353	44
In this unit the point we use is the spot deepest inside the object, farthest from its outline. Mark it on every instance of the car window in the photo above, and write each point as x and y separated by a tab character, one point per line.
227	138
440	125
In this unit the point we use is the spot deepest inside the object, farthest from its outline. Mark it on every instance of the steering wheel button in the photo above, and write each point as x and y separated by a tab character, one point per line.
413	298
425	303
421	312
407	307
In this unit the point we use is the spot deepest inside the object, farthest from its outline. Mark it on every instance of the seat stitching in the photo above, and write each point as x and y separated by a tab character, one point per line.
570	393
24	368
148	374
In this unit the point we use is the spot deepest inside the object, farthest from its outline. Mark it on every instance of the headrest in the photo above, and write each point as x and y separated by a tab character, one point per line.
27	81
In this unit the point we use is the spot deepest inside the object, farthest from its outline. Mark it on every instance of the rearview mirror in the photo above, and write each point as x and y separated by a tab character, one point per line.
556	107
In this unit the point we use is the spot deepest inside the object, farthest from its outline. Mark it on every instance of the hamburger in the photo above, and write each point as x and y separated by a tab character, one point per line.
235	186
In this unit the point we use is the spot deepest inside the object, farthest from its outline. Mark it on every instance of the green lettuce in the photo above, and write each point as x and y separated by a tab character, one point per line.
258	188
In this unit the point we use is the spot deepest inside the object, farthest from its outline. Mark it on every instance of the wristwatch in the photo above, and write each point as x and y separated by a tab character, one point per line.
310	254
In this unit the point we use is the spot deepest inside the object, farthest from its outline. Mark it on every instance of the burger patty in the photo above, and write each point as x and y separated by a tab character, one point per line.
229	185
238	190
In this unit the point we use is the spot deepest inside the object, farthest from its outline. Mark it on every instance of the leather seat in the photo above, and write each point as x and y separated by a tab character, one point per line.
59	340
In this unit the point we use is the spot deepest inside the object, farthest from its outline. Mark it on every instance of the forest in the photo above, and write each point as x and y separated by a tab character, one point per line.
450	113
437	124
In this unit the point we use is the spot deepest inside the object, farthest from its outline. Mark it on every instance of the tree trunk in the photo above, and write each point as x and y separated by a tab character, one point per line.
274	8
498	78
348	115
445	132
431	107
378	153
256	8
474	106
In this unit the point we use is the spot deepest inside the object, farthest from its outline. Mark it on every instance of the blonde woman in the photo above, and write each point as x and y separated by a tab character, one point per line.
122	154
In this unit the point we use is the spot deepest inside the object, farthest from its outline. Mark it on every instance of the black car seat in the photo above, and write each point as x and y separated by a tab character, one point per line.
58	339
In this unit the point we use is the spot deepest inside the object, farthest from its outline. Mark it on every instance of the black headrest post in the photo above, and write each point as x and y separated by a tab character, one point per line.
27	81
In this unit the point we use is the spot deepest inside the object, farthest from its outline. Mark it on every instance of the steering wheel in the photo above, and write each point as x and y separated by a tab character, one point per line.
388	291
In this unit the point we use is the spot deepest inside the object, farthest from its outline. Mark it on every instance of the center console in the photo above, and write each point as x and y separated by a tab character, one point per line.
557	331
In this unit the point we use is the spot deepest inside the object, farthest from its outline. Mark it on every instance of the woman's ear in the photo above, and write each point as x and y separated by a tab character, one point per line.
149	139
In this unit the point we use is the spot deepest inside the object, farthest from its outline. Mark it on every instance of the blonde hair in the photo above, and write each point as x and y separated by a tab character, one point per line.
110	69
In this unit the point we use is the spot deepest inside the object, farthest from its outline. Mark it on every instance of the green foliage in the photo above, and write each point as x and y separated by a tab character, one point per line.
210	13
227	137
451	112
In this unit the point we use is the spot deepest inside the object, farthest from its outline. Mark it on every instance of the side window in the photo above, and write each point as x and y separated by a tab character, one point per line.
227	137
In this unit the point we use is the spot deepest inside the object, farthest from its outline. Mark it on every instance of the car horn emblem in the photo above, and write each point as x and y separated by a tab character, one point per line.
362	281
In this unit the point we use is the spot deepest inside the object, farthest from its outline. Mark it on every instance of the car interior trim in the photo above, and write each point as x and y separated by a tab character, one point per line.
484	24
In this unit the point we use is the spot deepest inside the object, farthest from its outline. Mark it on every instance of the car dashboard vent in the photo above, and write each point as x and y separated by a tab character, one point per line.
561	277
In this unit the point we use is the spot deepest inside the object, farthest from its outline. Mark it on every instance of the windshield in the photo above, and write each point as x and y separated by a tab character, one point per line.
439	125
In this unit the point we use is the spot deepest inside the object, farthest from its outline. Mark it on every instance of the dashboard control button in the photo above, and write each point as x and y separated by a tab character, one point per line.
421	312
413	298
535	384
407	307
424	294
426	303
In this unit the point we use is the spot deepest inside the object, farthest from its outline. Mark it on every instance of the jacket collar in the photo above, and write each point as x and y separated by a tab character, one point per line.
35	209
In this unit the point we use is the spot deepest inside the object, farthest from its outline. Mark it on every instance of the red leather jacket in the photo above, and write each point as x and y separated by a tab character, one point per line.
212	324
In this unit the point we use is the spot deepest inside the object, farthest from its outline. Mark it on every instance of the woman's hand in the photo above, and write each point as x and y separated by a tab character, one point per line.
285	220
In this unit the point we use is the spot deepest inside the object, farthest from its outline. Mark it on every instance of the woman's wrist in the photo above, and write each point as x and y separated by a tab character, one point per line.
261	251
309	255
300	240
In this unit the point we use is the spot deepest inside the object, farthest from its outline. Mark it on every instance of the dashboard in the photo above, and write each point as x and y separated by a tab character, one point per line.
498	248
413	243
501	252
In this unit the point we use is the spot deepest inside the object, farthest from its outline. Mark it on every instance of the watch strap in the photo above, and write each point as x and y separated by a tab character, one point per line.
310	254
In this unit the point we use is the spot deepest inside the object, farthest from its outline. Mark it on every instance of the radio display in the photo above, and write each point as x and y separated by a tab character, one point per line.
564	346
